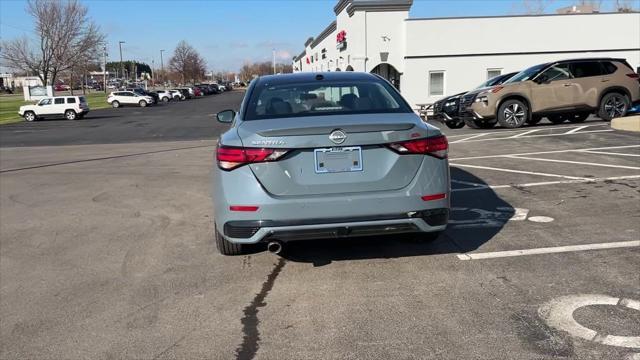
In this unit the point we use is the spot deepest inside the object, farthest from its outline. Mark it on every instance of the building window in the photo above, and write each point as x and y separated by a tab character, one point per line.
436	83
491	73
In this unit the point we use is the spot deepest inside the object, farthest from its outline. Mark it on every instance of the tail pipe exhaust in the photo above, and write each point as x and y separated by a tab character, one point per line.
274	247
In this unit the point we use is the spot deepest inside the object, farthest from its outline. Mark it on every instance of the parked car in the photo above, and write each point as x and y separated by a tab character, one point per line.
185	93
447	110
197	92
320	167
61	87
164	95
221	88
69	107
142	91
562	90
119	98
177	95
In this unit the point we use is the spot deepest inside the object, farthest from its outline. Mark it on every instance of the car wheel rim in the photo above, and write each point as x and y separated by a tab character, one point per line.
30	117
615	107
70	116
514	114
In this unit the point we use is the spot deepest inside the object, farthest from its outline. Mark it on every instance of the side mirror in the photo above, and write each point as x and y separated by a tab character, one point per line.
226	116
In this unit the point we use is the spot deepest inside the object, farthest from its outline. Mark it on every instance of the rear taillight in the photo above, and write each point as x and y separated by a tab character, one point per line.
634	76
435	146
230	158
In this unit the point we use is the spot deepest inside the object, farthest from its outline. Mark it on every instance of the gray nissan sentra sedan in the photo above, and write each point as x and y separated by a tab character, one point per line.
326	155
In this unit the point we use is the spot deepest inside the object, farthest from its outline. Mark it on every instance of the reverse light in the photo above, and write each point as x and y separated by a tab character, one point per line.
229	158
436	146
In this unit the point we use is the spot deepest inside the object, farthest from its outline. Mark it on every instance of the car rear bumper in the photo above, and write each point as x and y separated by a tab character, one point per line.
329	216
291	230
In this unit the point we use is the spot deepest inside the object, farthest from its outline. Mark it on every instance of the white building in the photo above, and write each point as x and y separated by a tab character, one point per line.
428	58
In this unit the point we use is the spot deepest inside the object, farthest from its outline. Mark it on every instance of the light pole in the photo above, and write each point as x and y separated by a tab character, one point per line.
104	69
121	66
162	65
274	61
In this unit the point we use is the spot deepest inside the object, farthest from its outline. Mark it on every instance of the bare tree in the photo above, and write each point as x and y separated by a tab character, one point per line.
535	7
624	5
68	39
187	62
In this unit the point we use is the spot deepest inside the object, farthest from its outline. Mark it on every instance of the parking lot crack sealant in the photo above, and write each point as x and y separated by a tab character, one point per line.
251	334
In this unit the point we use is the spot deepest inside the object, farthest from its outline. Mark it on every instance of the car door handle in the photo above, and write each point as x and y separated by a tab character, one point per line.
604	80
568	84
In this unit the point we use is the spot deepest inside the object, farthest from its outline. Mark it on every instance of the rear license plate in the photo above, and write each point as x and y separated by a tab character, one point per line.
338	159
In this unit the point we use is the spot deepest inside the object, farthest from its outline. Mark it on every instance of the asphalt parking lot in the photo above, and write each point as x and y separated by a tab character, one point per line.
107	252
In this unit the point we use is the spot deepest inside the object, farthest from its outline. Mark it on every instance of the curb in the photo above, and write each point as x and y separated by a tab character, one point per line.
629	123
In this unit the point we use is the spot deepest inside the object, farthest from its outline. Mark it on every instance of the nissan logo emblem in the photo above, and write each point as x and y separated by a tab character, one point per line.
338	136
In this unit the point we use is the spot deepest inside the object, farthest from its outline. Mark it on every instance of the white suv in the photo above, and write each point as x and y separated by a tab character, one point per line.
116	99
164	95
71	107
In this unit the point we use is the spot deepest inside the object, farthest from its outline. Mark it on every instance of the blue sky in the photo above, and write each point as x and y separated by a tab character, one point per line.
228	33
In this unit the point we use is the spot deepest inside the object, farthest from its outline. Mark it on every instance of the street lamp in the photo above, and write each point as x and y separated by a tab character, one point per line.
121	66
162	65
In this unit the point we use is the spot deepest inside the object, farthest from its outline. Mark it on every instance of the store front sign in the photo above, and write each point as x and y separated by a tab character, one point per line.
341	40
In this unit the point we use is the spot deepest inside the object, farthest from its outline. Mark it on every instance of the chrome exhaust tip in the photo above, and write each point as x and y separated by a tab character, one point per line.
274	247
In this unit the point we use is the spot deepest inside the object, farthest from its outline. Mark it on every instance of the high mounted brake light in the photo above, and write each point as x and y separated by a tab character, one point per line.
434	146
229	158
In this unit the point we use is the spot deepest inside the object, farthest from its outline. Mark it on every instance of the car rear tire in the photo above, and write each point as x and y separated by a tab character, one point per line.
165	99
578	117
454	124
613	105
115	104
227	247
30	116
142	103
70	115
479	124
513	114
557	119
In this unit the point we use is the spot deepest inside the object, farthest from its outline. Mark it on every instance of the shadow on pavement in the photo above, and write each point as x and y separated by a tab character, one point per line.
476	217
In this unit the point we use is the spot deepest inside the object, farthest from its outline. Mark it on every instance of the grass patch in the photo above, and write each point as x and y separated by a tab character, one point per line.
9	105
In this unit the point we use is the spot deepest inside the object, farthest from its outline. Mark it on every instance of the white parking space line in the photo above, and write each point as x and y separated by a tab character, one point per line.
545	183
577	129
544	135
469	138
524	133
468	183
610	153
548	127
520	171
545	152
574	162
548	250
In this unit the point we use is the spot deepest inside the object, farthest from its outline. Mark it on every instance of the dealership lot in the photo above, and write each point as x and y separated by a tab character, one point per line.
107	252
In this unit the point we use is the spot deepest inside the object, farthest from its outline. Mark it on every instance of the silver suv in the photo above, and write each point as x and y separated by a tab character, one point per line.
326	155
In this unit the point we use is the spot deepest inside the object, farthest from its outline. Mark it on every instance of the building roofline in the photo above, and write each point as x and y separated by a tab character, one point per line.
300	56
309	41
323	35
517	16
378	5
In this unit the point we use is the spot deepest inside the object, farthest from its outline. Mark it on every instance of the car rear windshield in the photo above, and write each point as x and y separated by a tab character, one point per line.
323	98
527	74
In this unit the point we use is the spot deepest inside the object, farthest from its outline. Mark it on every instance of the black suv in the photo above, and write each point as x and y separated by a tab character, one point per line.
447	110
